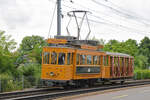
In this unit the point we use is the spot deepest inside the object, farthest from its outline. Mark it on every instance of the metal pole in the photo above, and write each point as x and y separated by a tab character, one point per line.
58	17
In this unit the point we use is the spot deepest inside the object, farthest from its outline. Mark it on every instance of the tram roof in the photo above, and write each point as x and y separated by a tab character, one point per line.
118	54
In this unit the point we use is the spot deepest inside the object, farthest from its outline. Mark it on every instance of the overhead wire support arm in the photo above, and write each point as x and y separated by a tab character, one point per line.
88	27
79	25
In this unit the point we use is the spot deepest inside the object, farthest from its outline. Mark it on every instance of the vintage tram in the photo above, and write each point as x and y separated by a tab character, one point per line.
67	61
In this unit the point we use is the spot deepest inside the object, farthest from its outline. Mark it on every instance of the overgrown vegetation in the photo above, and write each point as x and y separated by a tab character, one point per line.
24	64
21	65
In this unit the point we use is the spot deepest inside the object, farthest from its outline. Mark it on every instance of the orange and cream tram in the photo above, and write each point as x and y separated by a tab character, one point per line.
71	62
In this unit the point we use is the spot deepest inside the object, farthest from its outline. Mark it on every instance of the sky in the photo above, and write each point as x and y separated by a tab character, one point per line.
109	19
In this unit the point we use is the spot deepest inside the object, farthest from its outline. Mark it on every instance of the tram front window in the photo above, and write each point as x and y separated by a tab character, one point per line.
61	59
54	58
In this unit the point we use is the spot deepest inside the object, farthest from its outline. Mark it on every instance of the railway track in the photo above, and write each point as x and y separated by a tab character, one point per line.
57	93
10	95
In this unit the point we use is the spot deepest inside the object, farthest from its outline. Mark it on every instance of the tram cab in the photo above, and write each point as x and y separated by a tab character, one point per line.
57	62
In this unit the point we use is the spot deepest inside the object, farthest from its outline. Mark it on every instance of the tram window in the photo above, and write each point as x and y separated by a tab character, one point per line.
61	59
46	58
95	60
120	62
82	59
105	60
116	61
77	59
127	62
99	60
69	58
89	59
54	58
111	61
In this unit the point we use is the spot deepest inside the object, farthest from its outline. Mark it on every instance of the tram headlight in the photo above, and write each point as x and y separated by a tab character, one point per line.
51	73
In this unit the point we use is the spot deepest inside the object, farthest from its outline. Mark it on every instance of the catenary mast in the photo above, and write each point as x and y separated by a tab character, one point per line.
58	17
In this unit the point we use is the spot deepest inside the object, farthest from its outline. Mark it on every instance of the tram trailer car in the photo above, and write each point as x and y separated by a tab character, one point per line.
81	62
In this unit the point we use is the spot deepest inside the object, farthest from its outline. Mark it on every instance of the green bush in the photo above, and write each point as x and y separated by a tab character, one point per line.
8	83
31	73
29	76
142	74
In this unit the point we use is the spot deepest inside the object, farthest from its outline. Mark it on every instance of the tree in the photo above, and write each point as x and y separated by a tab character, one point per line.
7	58
144	48
30	49
141	61
129	47
112	46
29	42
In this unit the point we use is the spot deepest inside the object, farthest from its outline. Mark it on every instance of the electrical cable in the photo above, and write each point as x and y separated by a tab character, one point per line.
114	24
131	13
106	15
52	19
120	12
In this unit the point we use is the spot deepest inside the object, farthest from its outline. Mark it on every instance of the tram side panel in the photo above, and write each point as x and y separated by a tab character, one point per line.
88	65
121	67
57	64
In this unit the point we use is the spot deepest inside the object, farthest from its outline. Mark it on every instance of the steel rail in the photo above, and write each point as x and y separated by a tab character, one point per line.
79	91
27	93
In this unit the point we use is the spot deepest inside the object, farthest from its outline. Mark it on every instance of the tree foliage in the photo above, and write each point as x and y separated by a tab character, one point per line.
129	47
144	48
7	58
30	42
30	49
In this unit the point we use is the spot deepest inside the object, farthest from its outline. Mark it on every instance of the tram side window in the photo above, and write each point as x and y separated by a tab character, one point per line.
105	60
99	60
116	61
111	61
69	58
89	59
46	58
61	58
82	59
120	62
54	58
77	59
95	60
127	62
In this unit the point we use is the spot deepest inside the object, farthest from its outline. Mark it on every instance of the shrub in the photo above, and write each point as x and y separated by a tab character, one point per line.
8	83
142	74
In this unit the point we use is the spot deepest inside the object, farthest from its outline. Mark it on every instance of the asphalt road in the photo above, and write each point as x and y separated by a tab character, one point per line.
140	93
